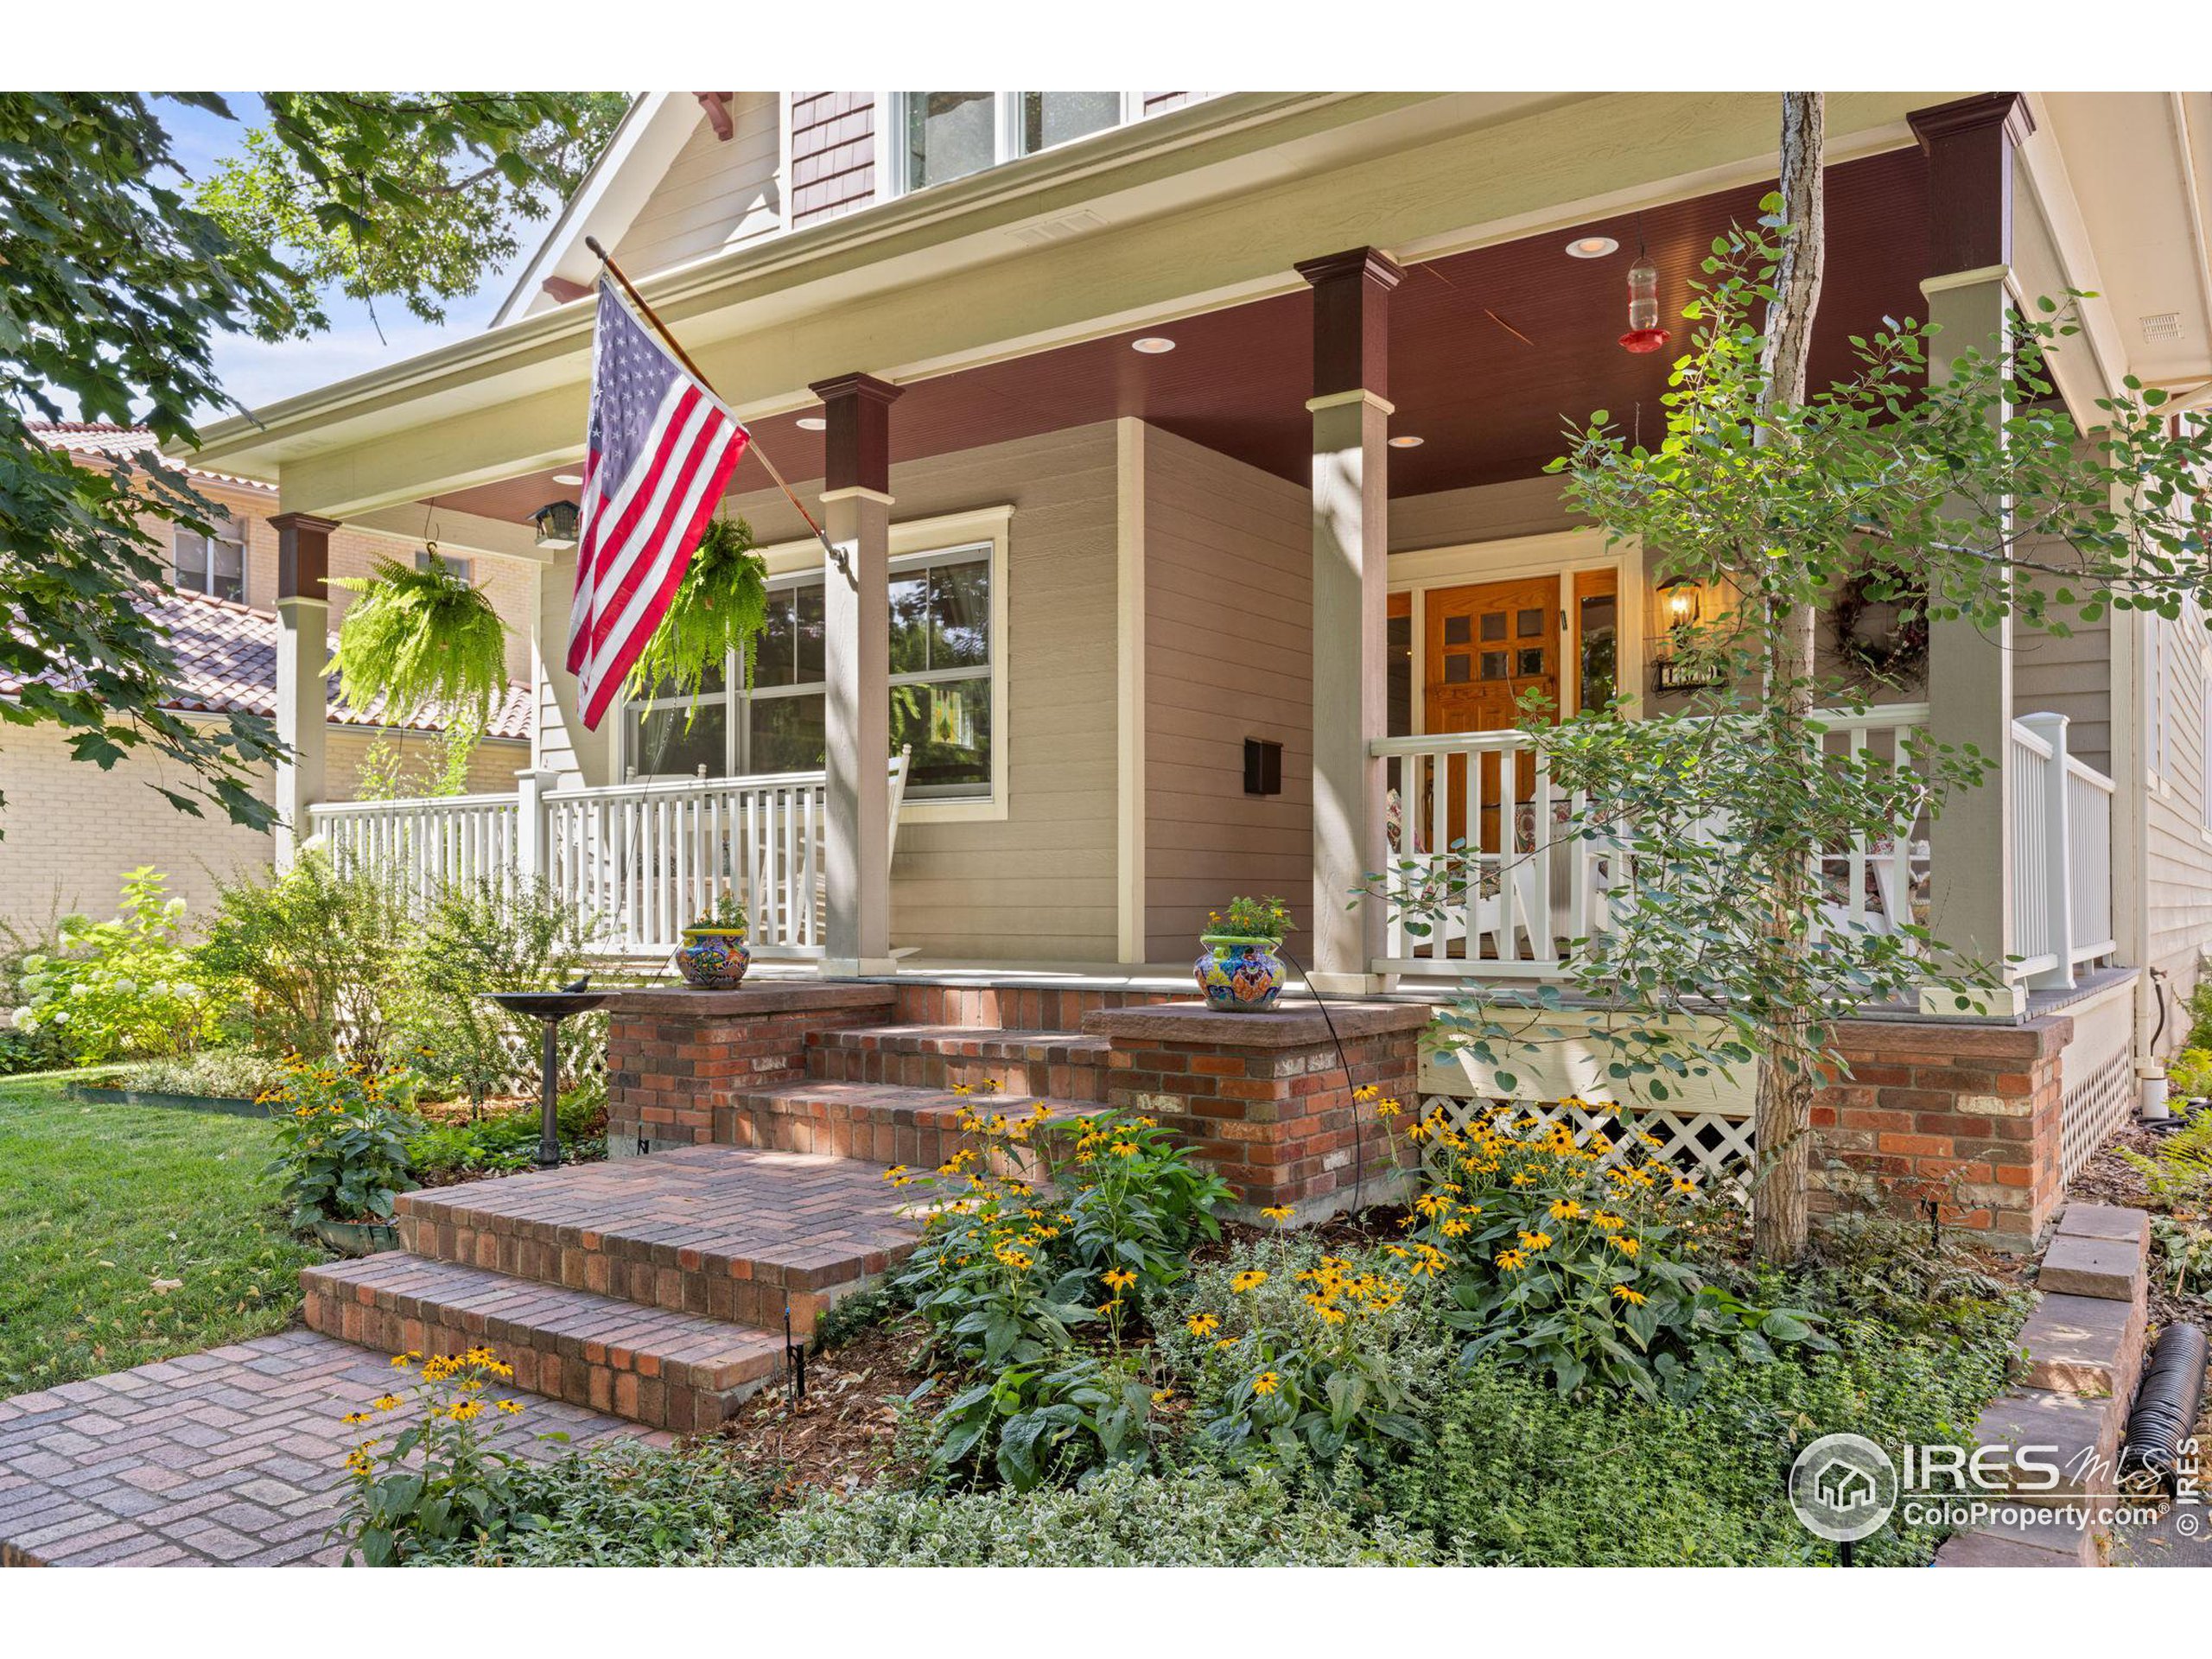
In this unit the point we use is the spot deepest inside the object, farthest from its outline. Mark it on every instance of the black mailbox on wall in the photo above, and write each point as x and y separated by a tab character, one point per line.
1263	766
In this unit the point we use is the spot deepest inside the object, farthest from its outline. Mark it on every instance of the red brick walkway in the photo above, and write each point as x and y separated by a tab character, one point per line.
226	1457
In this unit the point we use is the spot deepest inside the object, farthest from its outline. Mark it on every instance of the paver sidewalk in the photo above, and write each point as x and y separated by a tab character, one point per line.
231	1457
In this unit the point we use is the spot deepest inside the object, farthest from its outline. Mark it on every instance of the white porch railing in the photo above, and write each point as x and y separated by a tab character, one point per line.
425	844
645	859
641	859
1508	913
2061	856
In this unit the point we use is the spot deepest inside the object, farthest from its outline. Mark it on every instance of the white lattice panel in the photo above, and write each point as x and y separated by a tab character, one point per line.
2094	1107
1717	1149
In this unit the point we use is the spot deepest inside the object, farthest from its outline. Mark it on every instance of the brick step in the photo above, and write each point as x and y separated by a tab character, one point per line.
1048	1064
665	1369
720	1231
882	1123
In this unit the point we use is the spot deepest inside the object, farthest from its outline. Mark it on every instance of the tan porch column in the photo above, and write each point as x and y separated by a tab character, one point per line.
1970	145
857	653
302	652
1351	412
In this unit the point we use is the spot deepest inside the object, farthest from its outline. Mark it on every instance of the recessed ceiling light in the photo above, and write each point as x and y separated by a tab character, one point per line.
1407	441
811	424
569	479
1153	345
1592	247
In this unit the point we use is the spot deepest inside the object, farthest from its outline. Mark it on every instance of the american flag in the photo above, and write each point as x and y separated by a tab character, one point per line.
660	448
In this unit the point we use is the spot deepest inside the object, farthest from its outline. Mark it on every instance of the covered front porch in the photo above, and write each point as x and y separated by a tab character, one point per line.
1240	600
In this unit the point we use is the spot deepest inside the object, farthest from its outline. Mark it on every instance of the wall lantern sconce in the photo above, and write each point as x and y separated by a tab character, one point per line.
1681	600
557	524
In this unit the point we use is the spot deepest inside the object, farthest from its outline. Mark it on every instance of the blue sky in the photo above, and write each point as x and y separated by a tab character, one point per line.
256	372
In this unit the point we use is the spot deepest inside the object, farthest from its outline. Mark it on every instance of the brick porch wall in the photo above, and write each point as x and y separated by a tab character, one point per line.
1967	1114
674	1056
1266	1098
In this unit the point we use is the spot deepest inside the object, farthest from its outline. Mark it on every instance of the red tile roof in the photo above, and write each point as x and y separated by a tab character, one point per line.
227	663
106	438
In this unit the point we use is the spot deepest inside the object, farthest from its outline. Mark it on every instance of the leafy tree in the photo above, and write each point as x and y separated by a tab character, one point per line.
444	180
1973	497
115	284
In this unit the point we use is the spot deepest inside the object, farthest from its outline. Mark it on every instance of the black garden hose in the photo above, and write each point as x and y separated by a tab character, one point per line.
2165	1411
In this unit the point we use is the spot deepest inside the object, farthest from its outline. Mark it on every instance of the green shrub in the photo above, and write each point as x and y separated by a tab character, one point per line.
2178	1169
218	1073
1515	1473
2188	1074
117	990
310	958
619	1504
502	1142
341	1140
35	1048
1120	1517
491	935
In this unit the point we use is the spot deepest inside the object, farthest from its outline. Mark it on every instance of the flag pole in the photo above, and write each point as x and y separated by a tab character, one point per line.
696	373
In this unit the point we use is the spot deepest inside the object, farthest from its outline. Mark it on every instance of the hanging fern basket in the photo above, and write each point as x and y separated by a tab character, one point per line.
423	641
720	606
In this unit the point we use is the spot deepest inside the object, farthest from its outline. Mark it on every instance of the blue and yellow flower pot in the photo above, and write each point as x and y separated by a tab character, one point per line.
1240	975
713	959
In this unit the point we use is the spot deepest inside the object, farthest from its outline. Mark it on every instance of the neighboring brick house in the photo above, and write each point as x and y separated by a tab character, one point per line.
68	829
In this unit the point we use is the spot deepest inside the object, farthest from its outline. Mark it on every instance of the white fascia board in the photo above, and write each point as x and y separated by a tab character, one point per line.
654	129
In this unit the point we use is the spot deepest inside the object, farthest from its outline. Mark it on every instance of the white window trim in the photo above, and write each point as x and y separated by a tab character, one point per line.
912	543
892	180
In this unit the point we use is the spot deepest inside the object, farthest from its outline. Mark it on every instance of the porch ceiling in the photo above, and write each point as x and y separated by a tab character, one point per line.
1492	352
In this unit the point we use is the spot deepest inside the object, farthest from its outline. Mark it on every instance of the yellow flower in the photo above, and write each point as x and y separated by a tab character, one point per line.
1633	1297
462	1411
1511	1261
1684	1185
1387	1108
1226	1342
1277	1213
386	1403
963	1088
895	1171
1251	1279
1624	1245
1456	1228
1365	1092
1265	1382
356	1418
1534	1241
1605	1220
511	1407
1203	1325
402	1362
1124	1148
1161	1396
1565	1209
1119	1278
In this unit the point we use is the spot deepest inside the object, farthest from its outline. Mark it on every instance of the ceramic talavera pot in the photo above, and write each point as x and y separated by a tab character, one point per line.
714	958
1239	975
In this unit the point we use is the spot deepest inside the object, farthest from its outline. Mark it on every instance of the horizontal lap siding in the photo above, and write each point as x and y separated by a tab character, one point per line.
1037	886
833	154
717	191
1228	580
2179	888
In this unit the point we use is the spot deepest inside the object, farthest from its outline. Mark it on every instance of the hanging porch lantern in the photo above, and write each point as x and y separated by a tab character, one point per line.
557	524
1645	334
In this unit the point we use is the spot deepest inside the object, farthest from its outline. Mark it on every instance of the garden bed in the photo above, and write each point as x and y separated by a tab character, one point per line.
226	1105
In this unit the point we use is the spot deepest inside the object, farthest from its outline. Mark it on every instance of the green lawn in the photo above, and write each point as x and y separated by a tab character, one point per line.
101	1207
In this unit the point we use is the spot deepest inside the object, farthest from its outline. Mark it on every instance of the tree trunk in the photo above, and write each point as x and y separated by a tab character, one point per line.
1789	1075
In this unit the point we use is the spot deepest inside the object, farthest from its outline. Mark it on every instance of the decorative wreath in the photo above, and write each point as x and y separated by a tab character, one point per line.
1900	654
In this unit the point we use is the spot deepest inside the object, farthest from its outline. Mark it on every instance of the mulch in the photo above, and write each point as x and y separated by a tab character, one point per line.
843	1432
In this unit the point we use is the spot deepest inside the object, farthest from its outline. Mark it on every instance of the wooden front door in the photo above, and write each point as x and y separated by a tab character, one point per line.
1489	644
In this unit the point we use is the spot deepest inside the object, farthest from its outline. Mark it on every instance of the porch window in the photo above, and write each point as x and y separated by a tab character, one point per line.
211	564
941	657
947	136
